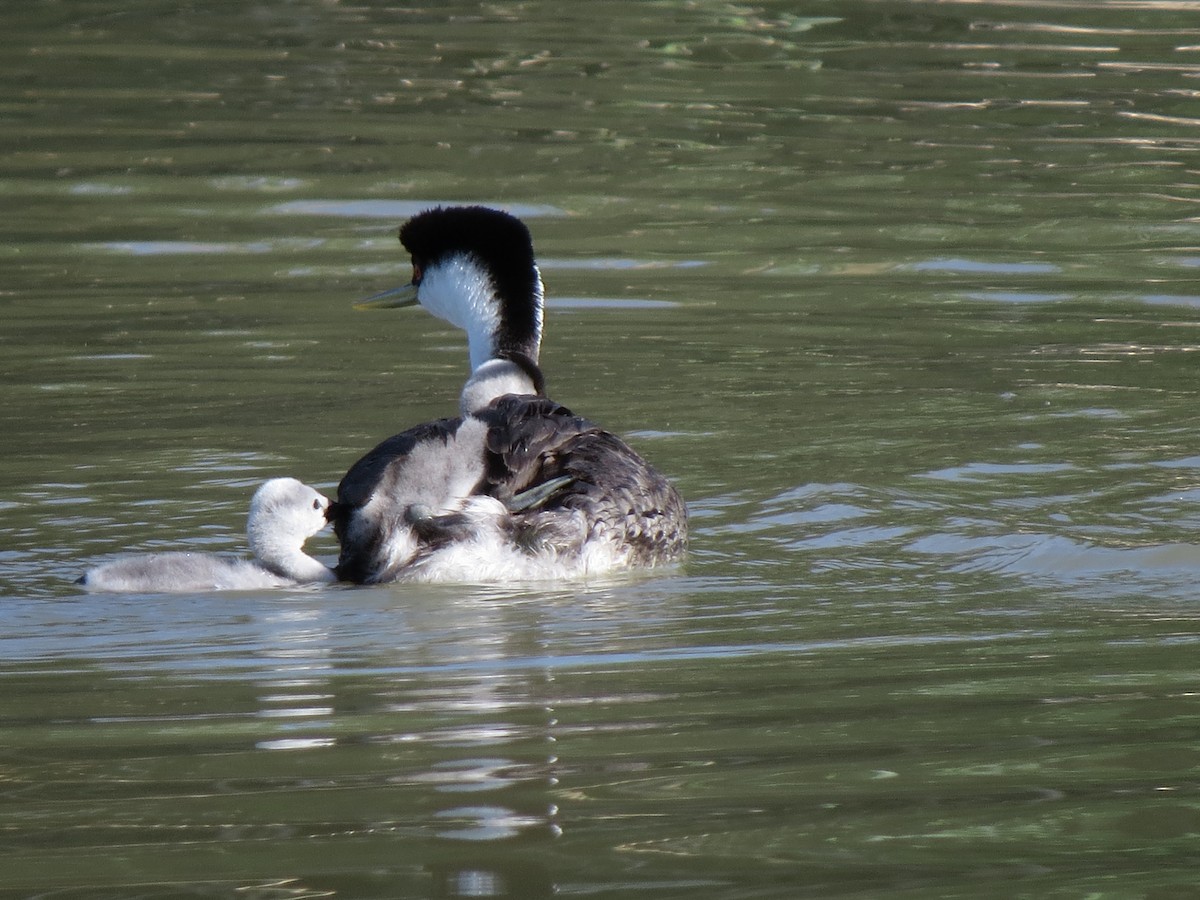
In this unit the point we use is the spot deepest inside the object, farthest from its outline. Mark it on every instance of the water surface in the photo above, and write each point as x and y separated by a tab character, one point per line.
903	297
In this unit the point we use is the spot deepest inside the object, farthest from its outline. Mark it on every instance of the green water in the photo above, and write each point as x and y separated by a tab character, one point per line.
901	294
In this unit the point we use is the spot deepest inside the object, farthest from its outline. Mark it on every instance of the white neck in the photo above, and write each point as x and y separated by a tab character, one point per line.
540	298
284	556
460	292
494	378
299	566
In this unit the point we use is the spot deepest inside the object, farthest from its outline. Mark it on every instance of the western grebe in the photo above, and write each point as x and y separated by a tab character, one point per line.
516	486
284	513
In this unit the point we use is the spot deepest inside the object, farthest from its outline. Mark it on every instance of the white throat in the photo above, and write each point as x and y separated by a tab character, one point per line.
460	292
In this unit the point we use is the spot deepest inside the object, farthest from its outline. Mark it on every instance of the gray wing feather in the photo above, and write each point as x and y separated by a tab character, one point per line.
610	493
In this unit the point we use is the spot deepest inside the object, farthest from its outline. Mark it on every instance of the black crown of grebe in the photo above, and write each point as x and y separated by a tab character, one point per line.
516	487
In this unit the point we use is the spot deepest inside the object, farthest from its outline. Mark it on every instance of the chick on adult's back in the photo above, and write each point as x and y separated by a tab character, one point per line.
576	499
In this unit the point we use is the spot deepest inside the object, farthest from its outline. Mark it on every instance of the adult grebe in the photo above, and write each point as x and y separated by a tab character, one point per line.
516	486
283	514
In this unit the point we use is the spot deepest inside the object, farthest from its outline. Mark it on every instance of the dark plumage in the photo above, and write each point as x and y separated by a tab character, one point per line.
517	486
613	495
610	497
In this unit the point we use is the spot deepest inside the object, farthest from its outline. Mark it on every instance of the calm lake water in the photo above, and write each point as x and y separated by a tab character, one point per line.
902	294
